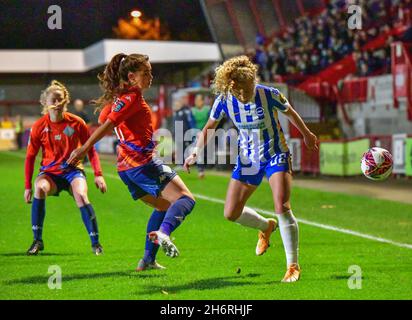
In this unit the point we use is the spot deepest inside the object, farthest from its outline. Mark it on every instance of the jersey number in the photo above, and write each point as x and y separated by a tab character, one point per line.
279	159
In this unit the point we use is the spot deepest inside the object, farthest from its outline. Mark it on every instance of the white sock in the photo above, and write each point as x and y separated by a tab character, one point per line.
289	232
250	218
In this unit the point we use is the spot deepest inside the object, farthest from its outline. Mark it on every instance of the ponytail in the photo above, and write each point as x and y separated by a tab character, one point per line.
114	79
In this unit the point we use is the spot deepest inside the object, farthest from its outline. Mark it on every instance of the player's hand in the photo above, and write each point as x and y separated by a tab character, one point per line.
27	195
100	184
311	141
76	156
190	160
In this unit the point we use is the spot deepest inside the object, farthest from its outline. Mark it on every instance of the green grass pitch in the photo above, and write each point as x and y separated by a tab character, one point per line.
212	249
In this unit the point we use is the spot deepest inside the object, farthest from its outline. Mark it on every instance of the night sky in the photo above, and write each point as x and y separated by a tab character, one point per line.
23	23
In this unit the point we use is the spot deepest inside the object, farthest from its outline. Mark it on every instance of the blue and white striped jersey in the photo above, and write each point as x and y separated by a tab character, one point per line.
260	133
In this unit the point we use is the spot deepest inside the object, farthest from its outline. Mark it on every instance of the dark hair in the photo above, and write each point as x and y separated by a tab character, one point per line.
114	78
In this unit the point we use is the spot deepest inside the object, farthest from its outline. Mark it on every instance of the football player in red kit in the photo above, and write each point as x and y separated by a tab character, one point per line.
57	134
126	112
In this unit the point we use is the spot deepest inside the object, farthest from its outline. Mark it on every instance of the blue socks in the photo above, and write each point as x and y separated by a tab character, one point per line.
176	213
90	222
153	224
38	212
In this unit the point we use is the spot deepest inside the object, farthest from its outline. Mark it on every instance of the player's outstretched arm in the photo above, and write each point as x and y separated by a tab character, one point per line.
81	152
202	139
309	138
32	151
28	172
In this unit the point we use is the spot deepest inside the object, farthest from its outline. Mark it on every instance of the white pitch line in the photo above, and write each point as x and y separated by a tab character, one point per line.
270	213
304	221
320	225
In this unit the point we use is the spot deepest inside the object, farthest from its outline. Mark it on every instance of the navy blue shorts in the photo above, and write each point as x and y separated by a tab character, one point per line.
64	179
253	174
150	178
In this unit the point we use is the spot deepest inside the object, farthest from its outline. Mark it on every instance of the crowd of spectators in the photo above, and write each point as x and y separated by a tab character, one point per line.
311	44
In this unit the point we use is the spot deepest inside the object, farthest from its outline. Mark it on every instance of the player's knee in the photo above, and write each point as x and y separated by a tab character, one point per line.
42	189
81	198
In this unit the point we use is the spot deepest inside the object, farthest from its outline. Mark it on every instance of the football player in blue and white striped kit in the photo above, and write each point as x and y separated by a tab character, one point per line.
253	109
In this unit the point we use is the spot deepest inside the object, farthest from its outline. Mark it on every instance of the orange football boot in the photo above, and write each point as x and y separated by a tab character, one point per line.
292	274
263	242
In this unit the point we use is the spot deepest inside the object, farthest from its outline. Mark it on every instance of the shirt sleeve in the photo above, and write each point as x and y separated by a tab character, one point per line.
217	112
105	113
123	108
32	151
279	100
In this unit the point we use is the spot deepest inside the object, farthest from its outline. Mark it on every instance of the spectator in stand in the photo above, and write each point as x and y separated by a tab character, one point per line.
325	38
387	55
363	70
314	63
404	12
368	60
261	60
324	59
357	57
260	39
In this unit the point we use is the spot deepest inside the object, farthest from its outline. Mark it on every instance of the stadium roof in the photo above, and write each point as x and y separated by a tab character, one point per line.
100	53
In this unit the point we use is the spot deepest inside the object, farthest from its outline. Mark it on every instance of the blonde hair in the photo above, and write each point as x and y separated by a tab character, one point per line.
237	69
54	86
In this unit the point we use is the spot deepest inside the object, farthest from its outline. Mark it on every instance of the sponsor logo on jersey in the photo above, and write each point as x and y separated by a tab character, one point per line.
252	126
57	137
128	98
260	111
282	98
119	105
68	131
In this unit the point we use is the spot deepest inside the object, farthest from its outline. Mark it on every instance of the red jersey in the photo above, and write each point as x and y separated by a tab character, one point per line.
132	118
57	140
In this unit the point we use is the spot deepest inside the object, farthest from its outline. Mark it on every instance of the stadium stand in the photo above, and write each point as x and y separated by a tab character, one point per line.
347	84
